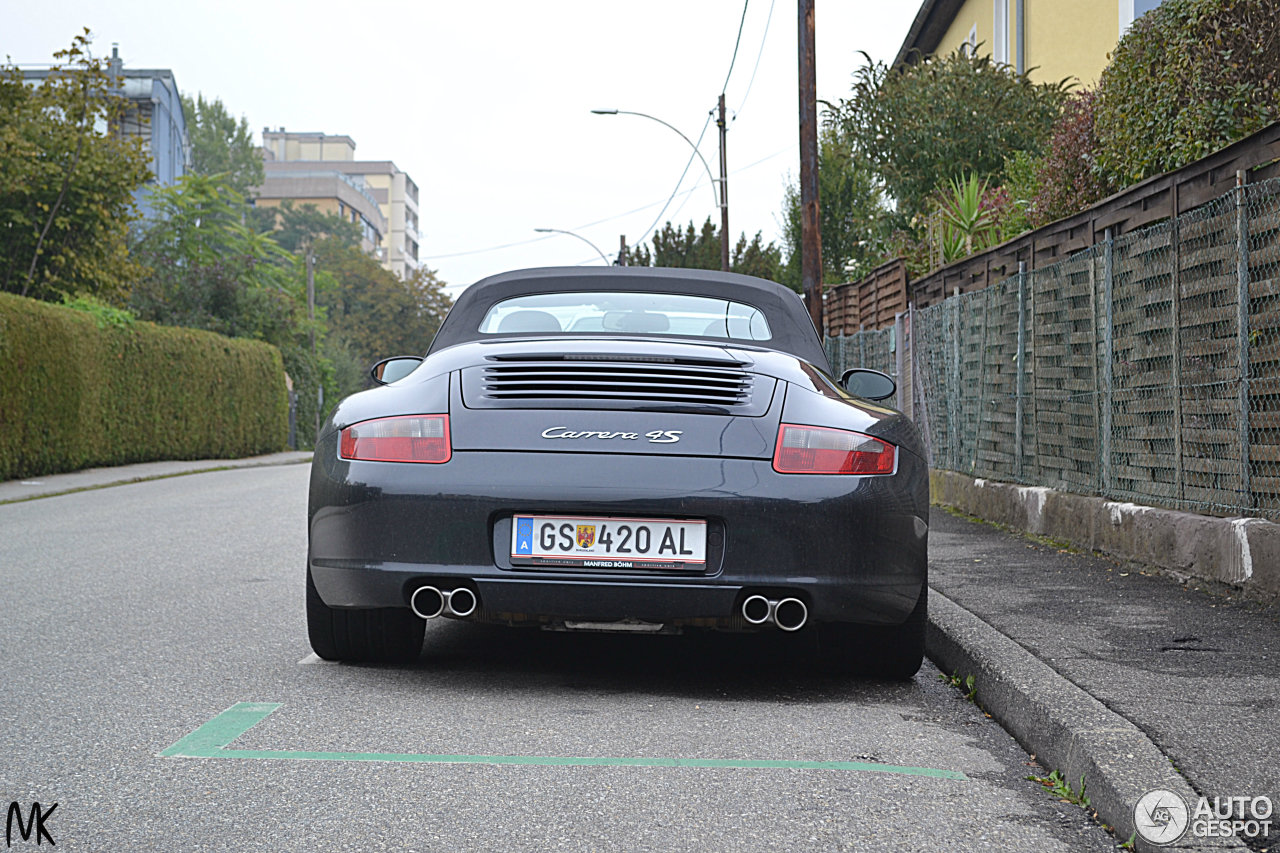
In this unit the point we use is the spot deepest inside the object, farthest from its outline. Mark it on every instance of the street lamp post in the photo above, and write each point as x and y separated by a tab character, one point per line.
723	200
579	236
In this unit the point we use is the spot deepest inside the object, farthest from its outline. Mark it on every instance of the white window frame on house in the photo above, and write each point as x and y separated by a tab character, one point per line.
1126	16
972	41
1000	26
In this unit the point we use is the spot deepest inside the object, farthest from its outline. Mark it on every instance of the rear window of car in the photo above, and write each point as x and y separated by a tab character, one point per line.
626	313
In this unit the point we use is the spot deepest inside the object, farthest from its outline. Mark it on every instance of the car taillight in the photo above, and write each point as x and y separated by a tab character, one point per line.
822	450
416	438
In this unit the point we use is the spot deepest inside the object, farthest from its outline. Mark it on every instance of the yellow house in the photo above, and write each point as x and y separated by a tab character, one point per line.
1051	39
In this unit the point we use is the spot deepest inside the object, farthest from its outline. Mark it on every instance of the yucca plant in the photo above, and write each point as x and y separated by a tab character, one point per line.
965	222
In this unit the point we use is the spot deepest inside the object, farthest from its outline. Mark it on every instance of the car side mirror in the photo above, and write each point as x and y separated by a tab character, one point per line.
868	384
397	367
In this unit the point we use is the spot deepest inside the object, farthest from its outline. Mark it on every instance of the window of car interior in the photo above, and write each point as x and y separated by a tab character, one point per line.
626	313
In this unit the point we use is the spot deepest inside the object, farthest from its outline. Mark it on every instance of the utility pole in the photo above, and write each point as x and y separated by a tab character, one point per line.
724	192
622	250
810	233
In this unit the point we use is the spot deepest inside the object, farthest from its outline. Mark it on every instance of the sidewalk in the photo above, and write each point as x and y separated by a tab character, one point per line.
97	478
1129	674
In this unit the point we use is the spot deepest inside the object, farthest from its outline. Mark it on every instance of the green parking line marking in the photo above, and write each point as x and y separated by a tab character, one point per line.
213	739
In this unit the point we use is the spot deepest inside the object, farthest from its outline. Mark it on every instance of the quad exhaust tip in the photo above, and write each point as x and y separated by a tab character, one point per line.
428	602
461	602
789	614
757	609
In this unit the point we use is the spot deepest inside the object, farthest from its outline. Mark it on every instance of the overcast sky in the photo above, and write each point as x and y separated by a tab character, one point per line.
486	103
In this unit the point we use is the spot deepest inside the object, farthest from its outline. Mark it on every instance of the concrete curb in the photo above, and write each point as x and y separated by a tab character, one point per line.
1242	552
17	491
1067	729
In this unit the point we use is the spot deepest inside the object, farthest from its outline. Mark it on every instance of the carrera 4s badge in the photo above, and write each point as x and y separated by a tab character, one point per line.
657	436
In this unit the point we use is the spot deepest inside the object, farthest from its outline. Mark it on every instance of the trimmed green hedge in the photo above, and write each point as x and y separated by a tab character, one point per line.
75	393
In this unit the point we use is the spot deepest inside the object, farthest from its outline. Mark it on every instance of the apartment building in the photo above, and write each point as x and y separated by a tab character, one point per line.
321	169
154	114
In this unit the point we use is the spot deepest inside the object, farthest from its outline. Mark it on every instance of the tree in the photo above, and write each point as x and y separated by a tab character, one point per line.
755	258
920	125
296	228
691	248
1190	77
220	145
207	269
372	313
856	222
67	178
208	266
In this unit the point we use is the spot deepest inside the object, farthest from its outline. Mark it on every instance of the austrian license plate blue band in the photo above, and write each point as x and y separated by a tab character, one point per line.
608	543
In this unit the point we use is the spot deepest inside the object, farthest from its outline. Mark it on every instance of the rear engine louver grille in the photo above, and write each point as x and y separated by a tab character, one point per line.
664	384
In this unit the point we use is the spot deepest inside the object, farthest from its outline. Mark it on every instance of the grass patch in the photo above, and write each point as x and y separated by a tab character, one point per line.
966	685
1061	789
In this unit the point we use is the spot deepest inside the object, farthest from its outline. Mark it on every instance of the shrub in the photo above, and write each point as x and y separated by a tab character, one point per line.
1022	185
1190	77
1069	178
919	125
75	393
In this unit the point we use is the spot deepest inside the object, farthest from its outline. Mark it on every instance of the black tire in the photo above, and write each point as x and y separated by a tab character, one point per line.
384	635
891	652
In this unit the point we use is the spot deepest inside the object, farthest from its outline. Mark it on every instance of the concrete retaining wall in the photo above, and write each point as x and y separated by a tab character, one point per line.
1242	552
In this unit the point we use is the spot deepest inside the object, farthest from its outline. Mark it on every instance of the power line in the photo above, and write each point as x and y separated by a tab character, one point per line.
676	189
512	245
487	248
732	62
688	192
767	21
737	42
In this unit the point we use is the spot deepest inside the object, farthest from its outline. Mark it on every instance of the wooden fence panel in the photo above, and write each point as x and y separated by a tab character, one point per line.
1262	209
871	303
1154	200
1209	356
1142	440
997	442
1065	343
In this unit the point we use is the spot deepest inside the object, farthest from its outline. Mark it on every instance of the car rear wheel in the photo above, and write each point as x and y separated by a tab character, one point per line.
384	635
892	652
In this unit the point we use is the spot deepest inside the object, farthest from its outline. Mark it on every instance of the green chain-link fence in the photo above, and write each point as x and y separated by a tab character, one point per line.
873	349
1144	369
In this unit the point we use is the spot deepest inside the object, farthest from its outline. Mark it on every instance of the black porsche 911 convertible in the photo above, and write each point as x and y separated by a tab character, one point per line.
621	449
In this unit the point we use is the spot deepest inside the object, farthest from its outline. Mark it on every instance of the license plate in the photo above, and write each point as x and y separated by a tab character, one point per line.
608	543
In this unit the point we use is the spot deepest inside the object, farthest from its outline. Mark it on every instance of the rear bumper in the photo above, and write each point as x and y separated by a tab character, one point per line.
853	548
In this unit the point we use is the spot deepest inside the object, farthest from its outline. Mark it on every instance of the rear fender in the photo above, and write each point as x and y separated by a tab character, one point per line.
815	409
409	396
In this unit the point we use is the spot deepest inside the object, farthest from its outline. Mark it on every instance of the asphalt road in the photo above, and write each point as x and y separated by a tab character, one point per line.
138	619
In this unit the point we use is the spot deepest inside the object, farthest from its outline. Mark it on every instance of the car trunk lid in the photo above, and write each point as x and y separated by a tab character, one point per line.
671	399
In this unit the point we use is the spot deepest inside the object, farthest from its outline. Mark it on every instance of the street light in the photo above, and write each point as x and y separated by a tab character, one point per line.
723	201
580	237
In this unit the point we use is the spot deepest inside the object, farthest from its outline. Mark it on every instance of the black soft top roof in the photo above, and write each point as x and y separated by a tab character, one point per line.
789	322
